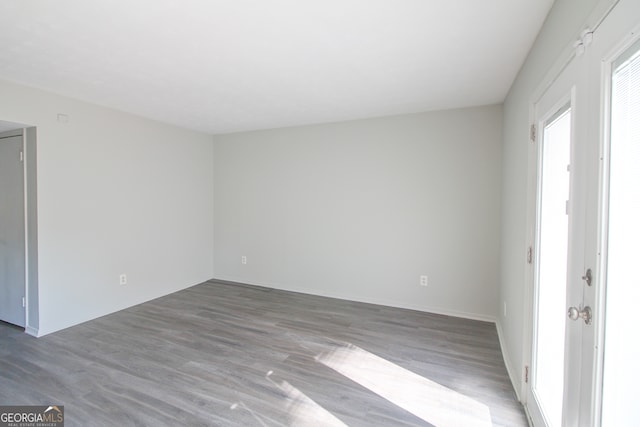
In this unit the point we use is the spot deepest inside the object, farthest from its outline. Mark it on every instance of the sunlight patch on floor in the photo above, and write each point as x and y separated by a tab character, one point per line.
420	396
241	405
302	410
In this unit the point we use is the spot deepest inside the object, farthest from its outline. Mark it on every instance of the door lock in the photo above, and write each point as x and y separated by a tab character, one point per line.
580	313
588	277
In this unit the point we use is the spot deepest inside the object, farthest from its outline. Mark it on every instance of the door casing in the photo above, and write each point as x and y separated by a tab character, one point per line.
13	226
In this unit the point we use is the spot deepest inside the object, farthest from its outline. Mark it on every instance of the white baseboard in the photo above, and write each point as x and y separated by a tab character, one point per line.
386	303
513	375
29	330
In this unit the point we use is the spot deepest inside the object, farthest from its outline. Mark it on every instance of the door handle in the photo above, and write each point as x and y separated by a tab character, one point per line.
588	277
576	313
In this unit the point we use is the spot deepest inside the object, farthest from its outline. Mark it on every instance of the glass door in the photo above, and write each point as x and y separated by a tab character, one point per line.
551	278
621	236
600	380
597	96
557	243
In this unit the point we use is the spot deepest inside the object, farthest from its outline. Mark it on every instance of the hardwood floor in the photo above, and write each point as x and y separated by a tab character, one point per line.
225	354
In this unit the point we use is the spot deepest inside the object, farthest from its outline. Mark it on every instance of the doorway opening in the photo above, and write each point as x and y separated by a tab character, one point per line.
18	227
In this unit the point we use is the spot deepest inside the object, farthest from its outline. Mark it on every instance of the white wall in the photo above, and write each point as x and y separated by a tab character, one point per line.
564	23
116	194
359	210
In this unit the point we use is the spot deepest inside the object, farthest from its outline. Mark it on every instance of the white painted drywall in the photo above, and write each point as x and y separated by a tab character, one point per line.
116	194
359	210
563	24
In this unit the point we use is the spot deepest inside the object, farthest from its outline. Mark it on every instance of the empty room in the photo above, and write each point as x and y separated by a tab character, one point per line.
319	213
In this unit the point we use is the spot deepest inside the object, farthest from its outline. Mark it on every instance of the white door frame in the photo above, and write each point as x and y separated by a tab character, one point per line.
31	231
567	88
29	143
17	137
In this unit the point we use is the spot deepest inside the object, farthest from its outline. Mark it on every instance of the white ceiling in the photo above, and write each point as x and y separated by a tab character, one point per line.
223	66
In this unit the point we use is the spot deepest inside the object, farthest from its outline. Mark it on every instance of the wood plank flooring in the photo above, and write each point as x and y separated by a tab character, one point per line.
227	354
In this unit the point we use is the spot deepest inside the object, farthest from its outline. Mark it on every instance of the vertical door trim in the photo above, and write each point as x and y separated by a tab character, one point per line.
19	133
31	231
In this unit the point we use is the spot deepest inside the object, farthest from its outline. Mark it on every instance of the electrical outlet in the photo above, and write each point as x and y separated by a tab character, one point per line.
424	281
123	279
244	259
